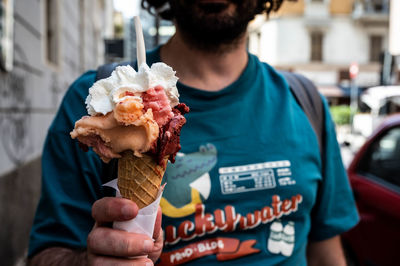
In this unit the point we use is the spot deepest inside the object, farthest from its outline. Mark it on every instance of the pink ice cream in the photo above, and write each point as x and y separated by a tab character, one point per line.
136	111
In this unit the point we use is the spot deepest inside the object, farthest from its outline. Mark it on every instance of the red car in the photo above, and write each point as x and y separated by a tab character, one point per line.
375	179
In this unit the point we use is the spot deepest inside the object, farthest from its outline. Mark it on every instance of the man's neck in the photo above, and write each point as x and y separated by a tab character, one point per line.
205	70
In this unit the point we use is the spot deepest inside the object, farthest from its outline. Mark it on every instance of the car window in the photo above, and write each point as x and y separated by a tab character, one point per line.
391	106
382	160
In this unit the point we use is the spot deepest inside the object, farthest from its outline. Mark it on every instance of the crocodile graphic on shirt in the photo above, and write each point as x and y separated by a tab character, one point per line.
188	181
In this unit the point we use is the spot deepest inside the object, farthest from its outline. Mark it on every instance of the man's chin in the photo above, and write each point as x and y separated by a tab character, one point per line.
213	7
215	42
212	23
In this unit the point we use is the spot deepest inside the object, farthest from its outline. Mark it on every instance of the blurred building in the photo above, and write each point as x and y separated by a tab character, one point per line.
44	46
321	38
155	32
114	44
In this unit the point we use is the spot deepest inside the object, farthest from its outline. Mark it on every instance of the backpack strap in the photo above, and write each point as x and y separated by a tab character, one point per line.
310	101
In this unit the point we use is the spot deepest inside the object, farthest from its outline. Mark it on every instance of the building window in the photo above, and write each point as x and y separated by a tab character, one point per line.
52	37
344	75
316	46
375	48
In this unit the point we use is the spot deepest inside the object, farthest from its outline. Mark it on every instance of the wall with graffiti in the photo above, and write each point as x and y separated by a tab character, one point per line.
32	85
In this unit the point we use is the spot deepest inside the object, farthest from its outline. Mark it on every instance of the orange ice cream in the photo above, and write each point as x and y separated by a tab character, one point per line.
132	111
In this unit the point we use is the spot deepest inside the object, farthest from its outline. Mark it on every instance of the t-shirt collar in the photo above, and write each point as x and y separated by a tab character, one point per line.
197	96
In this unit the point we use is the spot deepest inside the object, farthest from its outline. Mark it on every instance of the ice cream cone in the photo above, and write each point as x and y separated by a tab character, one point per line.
139	178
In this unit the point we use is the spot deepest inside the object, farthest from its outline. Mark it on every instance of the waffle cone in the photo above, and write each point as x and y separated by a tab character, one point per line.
139	178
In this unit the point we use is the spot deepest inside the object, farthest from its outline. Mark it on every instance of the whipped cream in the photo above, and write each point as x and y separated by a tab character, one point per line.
106	93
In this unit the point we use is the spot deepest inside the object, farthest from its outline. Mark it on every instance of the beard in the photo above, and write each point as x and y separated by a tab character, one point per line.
214	26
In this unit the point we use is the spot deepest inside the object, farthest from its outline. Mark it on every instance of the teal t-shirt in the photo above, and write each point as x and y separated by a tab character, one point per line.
248	186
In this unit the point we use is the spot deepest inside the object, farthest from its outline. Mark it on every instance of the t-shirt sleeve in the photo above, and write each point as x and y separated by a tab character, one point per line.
71	178
335	211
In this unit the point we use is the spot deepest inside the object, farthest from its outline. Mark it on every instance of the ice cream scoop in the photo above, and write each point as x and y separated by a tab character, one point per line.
128	110
135	116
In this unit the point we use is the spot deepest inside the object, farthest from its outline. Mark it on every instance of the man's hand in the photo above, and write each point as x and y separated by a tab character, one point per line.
107	246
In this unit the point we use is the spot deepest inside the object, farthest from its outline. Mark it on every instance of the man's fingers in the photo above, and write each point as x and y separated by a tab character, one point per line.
112	209
107	241
104	241
111	261
158	246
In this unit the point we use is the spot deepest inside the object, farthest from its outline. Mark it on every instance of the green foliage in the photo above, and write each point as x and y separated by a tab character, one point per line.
341	114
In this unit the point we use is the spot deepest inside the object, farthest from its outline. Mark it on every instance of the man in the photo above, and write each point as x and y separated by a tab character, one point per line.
249	187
